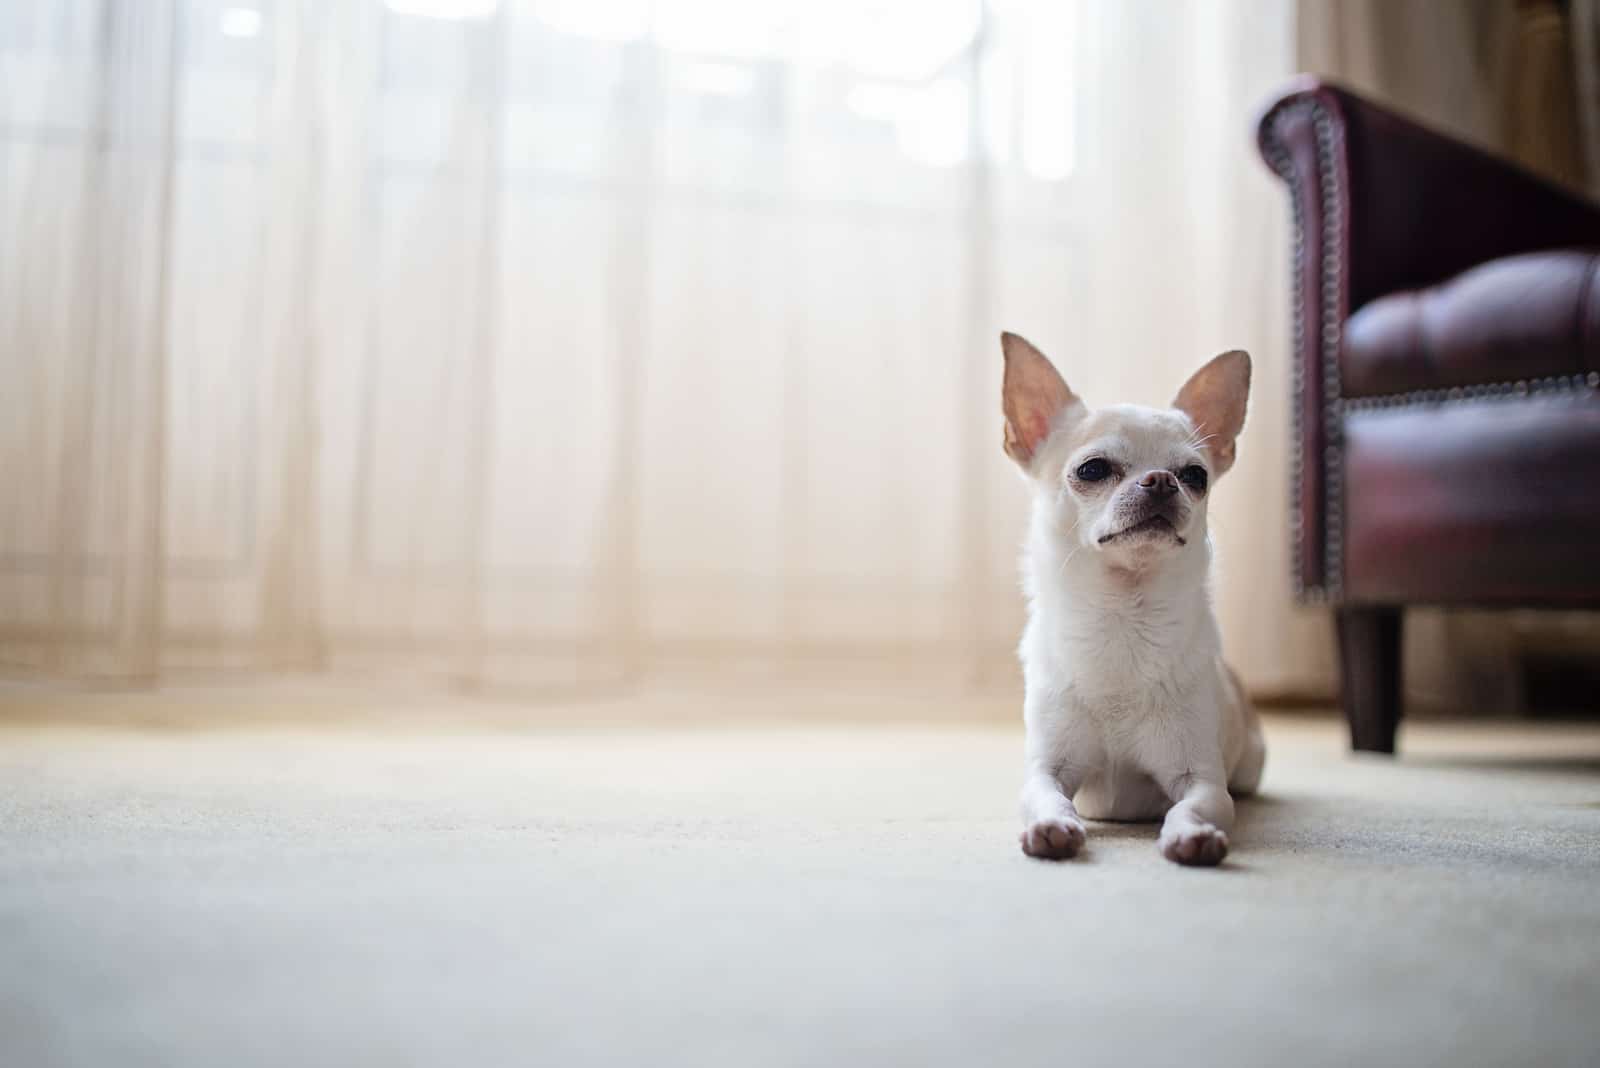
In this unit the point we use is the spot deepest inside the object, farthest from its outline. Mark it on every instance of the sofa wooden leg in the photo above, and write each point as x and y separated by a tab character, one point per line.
1369	674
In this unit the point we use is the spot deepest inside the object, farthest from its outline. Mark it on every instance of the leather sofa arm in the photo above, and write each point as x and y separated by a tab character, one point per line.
1416	206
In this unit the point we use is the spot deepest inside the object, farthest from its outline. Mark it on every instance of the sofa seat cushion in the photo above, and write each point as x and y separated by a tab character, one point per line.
1477	501
1523	317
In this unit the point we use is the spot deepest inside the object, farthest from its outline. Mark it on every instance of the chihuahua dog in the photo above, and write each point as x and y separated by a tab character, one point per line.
1130	712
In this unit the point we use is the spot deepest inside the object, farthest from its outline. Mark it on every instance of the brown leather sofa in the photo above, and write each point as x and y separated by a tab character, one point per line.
1446	382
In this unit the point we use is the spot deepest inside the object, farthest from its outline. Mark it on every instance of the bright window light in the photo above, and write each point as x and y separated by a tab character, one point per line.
600	20
895	40
444	9
239	22
936	136
881	102
717	79
898	40
931	121
719	27
1047	132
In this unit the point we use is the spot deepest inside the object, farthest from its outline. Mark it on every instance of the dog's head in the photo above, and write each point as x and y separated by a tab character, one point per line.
1127	482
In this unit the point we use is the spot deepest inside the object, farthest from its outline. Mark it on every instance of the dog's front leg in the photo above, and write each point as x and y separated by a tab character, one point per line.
1196	828
1051	826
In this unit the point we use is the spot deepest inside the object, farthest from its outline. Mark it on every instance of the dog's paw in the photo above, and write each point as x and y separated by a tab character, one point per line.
1053	839
1199	844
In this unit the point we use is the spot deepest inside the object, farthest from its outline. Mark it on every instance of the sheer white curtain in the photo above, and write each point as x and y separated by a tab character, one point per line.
566	343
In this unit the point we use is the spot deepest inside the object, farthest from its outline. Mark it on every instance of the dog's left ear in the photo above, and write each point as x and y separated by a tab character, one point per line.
1215	397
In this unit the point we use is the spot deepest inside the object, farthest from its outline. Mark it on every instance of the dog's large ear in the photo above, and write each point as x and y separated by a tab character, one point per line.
1032	396
1215	397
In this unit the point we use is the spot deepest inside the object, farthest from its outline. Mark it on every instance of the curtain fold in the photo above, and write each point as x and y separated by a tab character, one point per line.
563	345
1584	28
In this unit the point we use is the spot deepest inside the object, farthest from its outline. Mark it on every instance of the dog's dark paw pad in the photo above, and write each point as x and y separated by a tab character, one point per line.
1053	839
1198	845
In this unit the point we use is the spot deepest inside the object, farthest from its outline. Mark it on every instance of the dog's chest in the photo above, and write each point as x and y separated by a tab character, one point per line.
1121	789
1123	643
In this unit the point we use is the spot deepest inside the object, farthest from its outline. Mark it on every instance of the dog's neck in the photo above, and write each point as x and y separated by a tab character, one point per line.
1071	581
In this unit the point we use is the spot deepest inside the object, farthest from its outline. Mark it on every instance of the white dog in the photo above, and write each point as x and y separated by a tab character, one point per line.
1130	712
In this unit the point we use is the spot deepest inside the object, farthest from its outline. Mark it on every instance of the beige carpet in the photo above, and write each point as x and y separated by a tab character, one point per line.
763	896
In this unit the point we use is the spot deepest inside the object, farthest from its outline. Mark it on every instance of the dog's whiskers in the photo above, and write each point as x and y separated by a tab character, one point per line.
1068	558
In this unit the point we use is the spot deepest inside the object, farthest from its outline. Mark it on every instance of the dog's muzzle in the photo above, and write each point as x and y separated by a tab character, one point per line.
1156	519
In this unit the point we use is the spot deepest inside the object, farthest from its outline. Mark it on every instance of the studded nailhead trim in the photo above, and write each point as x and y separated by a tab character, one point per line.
1327	135
1492	391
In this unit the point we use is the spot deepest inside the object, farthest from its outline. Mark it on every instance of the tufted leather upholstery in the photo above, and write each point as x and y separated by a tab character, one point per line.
1521	317
1447	380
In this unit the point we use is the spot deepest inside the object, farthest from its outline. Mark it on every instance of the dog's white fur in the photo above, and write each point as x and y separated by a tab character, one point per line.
1130	712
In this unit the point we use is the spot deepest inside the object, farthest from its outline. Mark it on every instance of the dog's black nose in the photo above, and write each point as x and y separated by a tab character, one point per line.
1159	483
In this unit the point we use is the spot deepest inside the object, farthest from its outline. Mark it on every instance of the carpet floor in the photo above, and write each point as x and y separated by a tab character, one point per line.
306	895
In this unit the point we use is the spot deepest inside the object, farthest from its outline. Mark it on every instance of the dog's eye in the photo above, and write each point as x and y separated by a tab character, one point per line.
1094	470
1193	476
